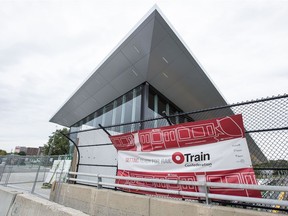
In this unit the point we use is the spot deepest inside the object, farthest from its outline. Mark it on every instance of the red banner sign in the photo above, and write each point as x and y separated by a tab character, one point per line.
212	150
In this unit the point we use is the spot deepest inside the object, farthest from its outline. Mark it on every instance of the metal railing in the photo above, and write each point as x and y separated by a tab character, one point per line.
265	122
206	196
27	173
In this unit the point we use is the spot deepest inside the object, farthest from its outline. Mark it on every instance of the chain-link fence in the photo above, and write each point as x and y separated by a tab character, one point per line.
265	122
30	173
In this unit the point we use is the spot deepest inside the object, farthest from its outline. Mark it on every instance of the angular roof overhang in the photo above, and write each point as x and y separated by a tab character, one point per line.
152	53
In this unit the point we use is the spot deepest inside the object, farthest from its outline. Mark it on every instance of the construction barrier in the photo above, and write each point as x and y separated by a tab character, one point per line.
19	204
106	202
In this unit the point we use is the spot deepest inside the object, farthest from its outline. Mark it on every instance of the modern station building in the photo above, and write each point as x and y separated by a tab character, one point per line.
151	71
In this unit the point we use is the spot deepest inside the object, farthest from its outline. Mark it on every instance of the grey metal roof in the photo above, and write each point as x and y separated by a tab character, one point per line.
153	52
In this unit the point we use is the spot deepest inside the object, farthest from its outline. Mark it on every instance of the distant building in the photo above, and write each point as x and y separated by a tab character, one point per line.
29	150
19	149
32	151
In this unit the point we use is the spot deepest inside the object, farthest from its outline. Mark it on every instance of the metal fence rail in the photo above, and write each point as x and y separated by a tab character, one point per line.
265	122
27	173
99	182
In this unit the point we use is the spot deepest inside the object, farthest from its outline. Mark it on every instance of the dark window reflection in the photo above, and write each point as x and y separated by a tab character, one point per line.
127	108
157	104
124	109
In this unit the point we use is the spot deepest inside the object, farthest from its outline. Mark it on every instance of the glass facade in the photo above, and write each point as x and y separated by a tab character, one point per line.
128	108
158	104
124	109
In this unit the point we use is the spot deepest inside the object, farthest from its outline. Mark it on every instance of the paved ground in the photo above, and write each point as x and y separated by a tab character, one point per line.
44	193
23	178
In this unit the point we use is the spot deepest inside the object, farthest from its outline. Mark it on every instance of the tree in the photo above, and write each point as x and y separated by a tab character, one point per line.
3	152
57	143
22	153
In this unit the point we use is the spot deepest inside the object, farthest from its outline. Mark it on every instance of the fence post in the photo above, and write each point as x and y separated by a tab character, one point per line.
57	186
8	175
208	201
36	178
60	181
3	170
43	161
99	186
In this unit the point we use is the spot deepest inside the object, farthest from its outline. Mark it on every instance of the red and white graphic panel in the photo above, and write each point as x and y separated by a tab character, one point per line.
181	135
225	155
238	176
124	142
213	150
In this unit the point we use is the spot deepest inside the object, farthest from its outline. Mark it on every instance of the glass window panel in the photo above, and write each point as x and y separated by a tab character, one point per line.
128	110
108	114
138	108
118	111
133	105
123	109
161	105
98	118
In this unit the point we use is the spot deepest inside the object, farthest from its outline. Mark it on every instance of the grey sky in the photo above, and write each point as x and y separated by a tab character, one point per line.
49	47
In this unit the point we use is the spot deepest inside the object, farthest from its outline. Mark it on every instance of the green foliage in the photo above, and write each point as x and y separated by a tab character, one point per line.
57	143
22	153
3	152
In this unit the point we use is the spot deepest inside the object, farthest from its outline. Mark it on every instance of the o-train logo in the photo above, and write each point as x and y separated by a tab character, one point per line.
182	135
180	158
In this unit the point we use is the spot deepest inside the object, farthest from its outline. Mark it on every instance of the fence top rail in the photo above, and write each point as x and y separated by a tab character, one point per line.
194	183
188	113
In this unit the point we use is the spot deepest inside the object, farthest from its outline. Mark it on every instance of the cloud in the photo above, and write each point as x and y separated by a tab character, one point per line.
242	44
49	48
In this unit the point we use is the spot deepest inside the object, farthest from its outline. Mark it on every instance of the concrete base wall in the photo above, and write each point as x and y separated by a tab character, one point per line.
18	204
102	202
7	197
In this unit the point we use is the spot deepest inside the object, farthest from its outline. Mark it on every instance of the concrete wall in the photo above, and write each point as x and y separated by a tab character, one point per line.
18	204
102	202
7	197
